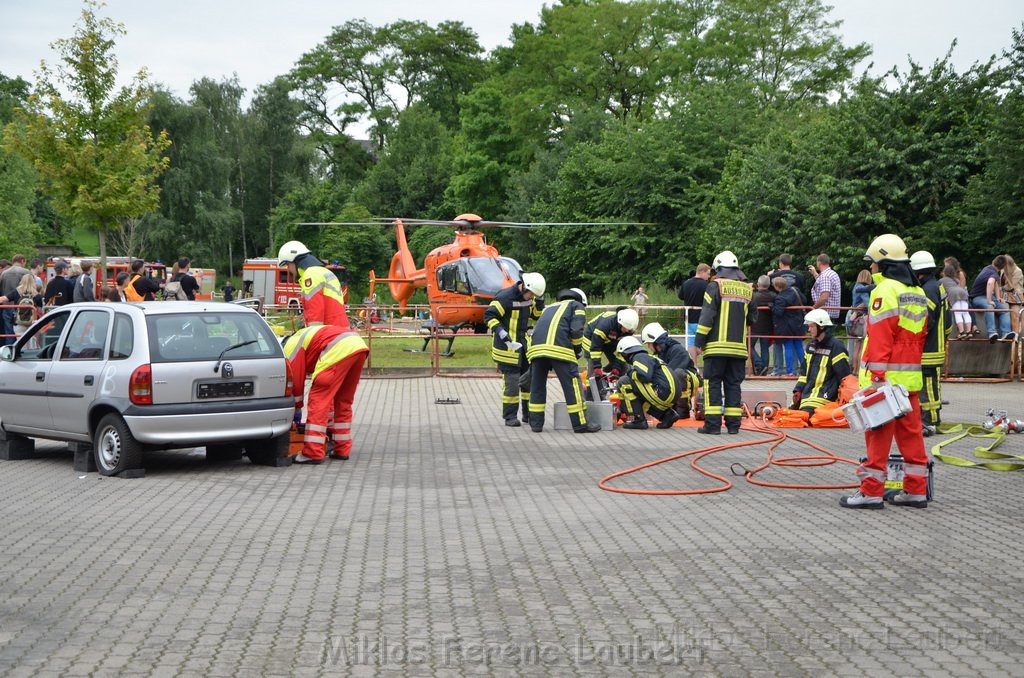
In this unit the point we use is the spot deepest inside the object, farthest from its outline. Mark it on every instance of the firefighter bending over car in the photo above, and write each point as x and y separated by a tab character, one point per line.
600	337
675	355
649	386
323	302
727	312
893	348
333	357
827	364
940	324
507	317
556	345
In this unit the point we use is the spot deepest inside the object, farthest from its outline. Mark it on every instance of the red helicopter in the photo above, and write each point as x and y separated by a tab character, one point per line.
461	278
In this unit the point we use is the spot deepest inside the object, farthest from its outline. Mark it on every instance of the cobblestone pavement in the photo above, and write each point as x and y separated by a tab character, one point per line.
452	545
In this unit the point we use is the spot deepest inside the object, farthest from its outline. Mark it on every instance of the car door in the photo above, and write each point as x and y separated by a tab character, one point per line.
24	381
78	370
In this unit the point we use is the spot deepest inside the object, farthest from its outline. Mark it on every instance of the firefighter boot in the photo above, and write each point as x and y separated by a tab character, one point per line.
592	427
683	409
639	421
670	418
536	423
861	501
901	498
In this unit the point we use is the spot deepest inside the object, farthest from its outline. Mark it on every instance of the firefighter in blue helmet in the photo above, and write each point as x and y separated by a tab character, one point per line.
556	345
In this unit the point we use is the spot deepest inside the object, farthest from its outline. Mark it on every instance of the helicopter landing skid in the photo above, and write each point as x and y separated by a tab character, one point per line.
447	353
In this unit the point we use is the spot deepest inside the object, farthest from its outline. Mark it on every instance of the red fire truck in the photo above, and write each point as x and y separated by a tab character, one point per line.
269	279
206	277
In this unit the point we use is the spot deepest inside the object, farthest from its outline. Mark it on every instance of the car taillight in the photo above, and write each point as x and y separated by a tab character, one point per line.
140	386
290	383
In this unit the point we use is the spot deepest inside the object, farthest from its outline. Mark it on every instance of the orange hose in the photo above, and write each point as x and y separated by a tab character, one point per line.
776	438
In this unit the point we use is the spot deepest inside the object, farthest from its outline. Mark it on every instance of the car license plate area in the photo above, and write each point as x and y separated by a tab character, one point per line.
224	389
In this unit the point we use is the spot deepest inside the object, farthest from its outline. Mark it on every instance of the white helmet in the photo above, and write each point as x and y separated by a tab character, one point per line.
534	282
629	319
583	296
888	247
629	345
725	259
921	260
291	250
651	332
818	316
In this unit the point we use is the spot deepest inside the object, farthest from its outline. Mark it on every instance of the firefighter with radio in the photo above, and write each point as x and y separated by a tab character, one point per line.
725	317
323	301
333	357
600	337
940	324
827	364
648	387
507	317
675	355
892	354
556	344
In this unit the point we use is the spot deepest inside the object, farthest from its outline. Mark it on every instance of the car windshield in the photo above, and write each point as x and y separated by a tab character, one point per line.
487	275
181	337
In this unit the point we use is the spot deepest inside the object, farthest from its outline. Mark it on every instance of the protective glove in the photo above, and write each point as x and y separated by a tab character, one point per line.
598	372
614	371
503	335
514	346
297	417
797	397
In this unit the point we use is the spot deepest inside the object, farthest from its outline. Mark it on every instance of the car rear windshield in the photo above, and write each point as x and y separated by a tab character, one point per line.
183	337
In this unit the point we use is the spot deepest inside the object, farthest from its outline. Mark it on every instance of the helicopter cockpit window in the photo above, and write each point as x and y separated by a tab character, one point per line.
487	275
446	277
511	267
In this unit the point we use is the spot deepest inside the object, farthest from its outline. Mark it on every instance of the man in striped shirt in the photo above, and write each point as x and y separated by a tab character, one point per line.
826	292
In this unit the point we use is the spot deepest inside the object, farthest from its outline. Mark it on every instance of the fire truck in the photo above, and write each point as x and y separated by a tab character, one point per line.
270	280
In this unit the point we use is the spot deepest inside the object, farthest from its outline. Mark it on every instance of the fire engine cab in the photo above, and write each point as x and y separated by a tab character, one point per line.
270	280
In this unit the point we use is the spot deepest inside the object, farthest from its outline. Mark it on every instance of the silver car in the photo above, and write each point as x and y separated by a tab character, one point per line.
155	375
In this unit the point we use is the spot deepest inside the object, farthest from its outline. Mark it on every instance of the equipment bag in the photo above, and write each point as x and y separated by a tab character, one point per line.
26	312
130	293
173	291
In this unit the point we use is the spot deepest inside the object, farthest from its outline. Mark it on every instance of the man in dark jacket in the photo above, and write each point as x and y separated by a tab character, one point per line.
600	338
764	327
57	289
507	317
828	364
940	324
789	322
648	387
673	354
692	295
725	317
556	344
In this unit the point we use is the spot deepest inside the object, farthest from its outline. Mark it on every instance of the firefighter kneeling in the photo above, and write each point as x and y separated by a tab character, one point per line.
648	386
334	358
674	354
827	364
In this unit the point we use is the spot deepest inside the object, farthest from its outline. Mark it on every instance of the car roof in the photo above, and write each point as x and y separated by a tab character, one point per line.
163	307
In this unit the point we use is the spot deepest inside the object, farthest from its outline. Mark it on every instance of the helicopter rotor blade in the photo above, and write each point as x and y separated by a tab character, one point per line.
534	224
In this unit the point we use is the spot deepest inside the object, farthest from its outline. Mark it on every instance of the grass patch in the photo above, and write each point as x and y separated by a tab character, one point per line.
85	241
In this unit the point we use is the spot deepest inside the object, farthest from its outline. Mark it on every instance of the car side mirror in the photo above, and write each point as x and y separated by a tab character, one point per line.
7	354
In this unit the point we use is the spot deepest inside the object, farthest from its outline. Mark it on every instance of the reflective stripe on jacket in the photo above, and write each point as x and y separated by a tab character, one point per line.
313	349
654	380
896	329
827	364
940	323
728	310
510	312
601	338
323	301
559	332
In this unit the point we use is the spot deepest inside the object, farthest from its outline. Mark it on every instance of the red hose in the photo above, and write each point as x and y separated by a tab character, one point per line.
776	438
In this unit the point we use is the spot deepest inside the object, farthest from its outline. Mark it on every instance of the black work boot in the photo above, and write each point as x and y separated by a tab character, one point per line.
639	421
592	427
670	418
514	421
536	423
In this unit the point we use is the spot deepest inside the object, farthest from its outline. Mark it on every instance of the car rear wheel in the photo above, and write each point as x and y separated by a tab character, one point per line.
115	447
269	451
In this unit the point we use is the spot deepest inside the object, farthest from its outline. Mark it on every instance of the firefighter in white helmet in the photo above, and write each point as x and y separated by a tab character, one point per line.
893	347
648	387
827	362
940	325
675	355
725	317
507	317
556	344
600	337
323	300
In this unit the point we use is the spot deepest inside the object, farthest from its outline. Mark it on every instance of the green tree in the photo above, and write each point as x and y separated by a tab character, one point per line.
17	181
97	157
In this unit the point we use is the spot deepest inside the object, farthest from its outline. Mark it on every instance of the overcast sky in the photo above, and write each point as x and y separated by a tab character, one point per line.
184	40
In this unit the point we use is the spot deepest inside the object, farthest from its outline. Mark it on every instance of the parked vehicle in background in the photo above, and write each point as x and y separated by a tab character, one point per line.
153	375
269	280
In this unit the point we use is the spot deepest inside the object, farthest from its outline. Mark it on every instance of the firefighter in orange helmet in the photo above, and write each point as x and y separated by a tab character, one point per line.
334	358
893	351
323	302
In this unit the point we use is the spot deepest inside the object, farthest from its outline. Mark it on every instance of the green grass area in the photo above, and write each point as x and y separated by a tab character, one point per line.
469	351
85	241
